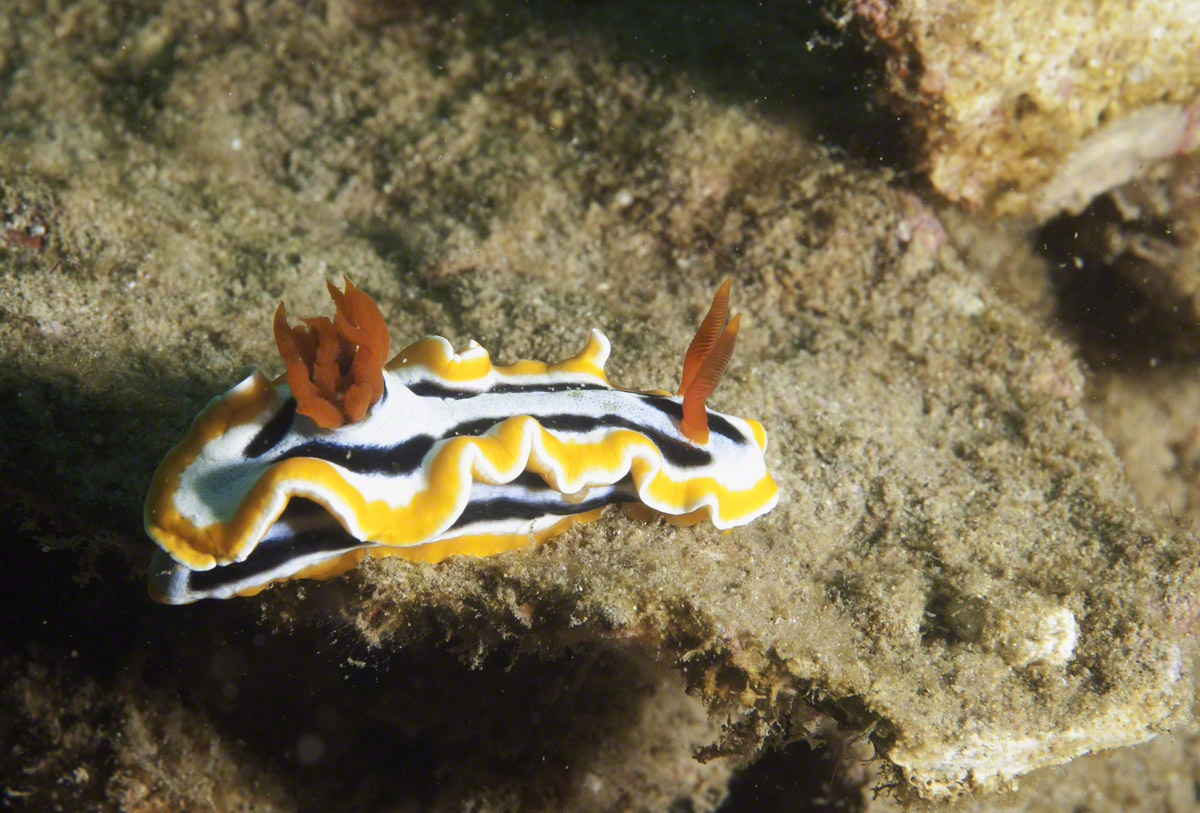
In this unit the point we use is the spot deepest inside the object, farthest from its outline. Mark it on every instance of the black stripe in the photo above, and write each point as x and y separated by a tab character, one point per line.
473	428
674	409
273	431
304	544
277	428
270	554
568	387
678	452
432	389
503	508
662	403
531	480
403	458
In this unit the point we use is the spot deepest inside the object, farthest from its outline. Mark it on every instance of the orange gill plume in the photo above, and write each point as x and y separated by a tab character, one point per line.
335	368
705	362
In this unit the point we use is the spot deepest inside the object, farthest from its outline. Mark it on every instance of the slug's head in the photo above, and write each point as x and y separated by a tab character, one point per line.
221	494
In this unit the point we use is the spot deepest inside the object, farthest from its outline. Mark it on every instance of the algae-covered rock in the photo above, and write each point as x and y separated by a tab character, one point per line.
956	579
1140	388
1040	107
1125	311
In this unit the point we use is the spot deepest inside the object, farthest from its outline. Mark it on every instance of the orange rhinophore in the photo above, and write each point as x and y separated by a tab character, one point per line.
335	368
705	362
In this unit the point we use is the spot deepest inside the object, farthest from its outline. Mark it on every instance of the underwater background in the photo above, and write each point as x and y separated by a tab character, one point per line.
964	241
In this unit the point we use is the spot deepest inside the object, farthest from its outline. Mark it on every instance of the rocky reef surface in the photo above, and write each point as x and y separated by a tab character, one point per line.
1040	108
983	561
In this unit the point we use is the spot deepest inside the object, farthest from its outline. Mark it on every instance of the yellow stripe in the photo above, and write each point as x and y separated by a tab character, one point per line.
192	546
430	510
760	434
483	544
431	354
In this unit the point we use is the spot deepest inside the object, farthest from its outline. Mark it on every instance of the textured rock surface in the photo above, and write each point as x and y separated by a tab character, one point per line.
949	510
1146	404
1040	107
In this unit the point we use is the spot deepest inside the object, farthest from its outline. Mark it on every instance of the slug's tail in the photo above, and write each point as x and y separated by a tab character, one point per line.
705	362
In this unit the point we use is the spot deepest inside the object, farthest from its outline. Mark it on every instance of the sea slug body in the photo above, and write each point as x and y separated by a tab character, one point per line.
432	454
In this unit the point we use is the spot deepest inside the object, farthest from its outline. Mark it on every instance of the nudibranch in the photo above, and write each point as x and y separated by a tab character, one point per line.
433	454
